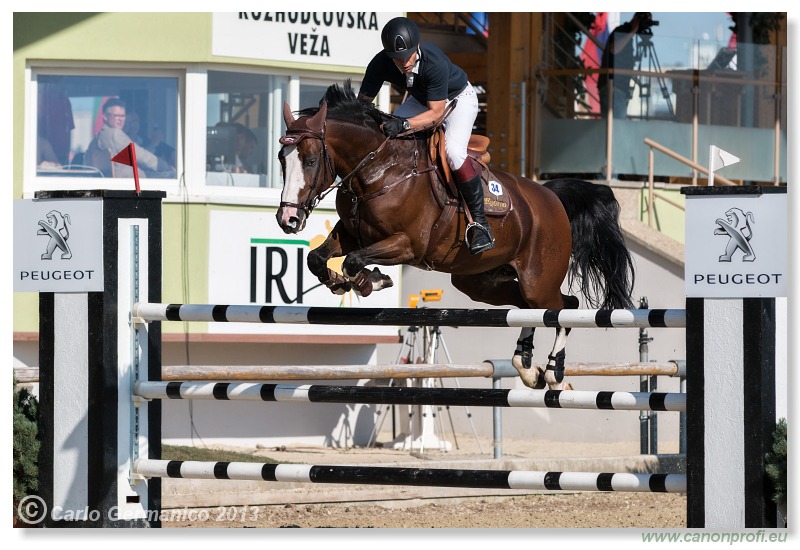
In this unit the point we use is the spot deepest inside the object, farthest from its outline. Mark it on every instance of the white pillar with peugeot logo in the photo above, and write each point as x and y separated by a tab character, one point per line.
737	282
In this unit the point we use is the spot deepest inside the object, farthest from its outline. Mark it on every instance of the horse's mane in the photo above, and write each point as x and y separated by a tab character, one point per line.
344	105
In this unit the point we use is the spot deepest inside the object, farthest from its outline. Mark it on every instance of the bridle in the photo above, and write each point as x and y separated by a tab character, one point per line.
294	136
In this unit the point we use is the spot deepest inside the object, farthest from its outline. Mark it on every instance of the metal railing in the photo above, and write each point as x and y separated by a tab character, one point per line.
652	194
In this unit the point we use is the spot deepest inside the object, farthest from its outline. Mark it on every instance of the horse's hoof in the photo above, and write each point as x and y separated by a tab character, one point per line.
379	280
361	284
529	376
555	382
341	288
336	283
540	381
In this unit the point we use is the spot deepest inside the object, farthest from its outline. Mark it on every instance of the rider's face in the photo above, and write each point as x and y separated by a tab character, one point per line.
406	65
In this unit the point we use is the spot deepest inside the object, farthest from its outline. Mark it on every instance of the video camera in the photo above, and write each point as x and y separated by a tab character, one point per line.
646	22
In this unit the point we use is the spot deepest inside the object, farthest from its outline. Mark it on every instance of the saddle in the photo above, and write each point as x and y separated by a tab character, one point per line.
496	202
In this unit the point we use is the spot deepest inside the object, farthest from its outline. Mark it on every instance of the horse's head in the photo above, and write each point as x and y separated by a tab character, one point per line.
343	134
307	167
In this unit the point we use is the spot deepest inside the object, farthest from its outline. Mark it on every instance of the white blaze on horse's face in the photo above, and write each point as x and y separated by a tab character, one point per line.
291	218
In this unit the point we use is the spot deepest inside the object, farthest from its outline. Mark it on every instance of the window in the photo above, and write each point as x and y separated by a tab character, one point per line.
82	121
244	121
311	94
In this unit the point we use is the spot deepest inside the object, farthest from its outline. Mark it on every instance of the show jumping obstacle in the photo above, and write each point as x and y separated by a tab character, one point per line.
103	442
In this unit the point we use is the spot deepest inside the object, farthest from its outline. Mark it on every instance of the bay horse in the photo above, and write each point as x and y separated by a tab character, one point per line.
389	215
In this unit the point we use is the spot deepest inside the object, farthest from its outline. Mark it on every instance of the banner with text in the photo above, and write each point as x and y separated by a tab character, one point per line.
252	261
329	38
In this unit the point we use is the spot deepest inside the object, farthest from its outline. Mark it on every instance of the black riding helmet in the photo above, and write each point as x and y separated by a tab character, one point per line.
400	37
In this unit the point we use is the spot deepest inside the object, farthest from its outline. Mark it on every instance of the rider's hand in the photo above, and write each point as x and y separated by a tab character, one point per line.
394	126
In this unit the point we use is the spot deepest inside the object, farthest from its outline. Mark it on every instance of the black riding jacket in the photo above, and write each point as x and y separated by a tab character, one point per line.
438	78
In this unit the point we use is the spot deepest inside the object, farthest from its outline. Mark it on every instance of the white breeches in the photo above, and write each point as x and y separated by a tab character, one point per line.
457	127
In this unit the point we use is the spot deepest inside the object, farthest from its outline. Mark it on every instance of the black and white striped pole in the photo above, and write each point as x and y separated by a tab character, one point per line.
736	268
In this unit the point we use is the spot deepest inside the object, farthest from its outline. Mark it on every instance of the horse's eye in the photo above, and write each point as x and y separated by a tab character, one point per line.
310	162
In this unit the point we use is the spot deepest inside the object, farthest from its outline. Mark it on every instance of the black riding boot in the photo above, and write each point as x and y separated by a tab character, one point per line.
478	235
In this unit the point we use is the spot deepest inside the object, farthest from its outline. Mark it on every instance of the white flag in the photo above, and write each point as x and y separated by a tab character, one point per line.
717	158
723	158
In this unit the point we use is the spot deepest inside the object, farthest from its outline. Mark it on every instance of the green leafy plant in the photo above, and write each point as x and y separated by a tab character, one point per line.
776	462
26	445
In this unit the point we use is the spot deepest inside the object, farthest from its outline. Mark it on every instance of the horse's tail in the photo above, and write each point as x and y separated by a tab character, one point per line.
600	259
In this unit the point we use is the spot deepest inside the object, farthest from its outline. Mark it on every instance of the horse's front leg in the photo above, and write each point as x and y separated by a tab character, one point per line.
338	243
395	249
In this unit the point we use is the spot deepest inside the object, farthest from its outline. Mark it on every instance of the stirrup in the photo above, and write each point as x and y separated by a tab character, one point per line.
485	231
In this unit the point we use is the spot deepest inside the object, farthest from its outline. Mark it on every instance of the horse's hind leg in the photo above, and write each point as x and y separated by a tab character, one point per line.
499	287
523	361
554	372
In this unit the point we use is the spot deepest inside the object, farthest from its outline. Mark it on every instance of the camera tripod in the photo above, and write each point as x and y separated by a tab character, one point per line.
646	50
424	421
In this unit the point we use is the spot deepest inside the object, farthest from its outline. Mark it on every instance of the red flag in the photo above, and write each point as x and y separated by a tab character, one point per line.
128	156
592	56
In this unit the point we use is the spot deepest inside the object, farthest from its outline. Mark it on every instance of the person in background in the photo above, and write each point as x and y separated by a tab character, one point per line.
619	54
246	142
111	139
46	157
160	147
133	128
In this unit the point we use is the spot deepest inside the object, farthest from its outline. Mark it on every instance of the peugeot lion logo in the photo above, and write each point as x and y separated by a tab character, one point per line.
56	227
738	229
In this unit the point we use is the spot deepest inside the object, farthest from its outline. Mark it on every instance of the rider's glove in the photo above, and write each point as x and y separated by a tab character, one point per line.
394	126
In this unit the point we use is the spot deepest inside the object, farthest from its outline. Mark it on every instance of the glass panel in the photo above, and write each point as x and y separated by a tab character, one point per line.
737	110
244	115
82	121
310	94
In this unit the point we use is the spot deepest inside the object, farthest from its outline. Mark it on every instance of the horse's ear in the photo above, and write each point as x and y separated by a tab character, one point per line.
288	117
317	122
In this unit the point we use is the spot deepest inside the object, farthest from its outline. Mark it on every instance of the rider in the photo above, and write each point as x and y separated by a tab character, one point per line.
432	81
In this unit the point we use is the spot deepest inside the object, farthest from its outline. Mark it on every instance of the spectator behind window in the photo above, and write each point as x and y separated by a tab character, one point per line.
111	139
245	140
